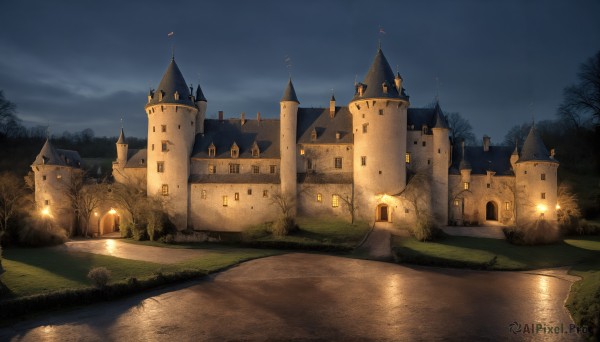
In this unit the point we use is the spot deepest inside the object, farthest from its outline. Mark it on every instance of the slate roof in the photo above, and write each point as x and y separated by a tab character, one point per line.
121	138
289	94
244	178
318	119
54	156
378	74
439	117
418	117
200	94
171	82
137	158
534	148
496	159
224	133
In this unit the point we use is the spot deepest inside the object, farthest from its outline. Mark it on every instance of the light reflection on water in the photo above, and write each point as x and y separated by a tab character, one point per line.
110	246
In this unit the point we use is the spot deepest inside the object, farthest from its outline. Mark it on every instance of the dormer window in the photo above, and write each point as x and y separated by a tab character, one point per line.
338	135
313	134
255	150
212	150
361	89
424	129
160	95
235	150
176	95
384	86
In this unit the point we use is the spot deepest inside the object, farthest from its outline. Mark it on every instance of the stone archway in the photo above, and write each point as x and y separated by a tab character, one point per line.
109	223
383	213
491	211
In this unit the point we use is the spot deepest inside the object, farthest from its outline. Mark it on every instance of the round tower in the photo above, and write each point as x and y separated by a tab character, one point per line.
536	181
201	103
172	119
122	147
287	140
379	122
441	163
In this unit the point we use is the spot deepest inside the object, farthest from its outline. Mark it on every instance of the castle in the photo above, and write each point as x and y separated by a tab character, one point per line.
376	159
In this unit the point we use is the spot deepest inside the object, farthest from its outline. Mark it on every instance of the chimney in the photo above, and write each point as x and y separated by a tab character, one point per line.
258	117
220	115
486	143
243	118
332	107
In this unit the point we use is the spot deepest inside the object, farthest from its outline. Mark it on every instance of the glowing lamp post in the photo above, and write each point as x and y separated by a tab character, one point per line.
46	212
112	211
542	208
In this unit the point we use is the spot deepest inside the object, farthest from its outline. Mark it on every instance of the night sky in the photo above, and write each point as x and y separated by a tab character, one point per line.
79	64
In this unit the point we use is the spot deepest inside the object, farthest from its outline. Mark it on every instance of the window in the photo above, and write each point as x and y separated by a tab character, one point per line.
255	152
407	157
456	203
543	195
224	201
466	185
142	161
163	146
160	166
525	172
236	196
163	128
319	198
176	95
152	147
153	128
543	176
335	201
234	168
58	177
301	151
363	160
165	190
365	128
212	169
47	202
414	142
363	116
489	185
255	169
428	161
381	112
506	205
265	193
313	135
406	210
338	162
309	164
203	194
439	150
212	150
272	168
249	191
44	177
235	150
424	143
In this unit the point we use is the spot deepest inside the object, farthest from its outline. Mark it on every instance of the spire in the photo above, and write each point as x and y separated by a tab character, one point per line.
172	87
122	137
464	163
534	148
290	94
200	94
48	155
516	151
439	117
380	80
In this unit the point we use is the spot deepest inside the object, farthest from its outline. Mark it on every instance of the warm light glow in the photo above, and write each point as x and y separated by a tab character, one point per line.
46	211
110	246
557	206
542	208
95	213
112	211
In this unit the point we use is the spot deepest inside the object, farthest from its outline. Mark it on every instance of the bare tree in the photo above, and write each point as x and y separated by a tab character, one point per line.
131	197
417	193
460	128
350	203
568	211
9	123
12	197
90	198
582	100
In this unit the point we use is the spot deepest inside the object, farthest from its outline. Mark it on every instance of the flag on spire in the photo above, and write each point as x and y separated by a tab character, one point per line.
170	34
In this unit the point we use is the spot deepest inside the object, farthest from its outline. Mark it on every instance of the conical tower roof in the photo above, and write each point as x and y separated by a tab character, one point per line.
48	156
440	118
122	138
379	74
290	94
534	148
172	82
200	94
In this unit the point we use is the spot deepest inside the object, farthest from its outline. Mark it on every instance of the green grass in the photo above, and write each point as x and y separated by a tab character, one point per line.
43	270
469	252
584	298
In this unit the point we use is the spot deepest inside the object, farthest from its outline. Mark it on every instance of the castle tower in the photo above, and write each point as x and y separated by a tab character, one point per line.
122	148
172	120
379	124
536	181
288	125
201	105
441	163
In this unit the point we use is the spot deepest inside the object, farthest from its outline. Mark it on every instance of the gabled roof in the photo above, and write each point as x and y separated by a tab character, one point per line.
171	82
290	94
224	133
121	138
534	148
137	158
53	156
496	159
318	119
379	74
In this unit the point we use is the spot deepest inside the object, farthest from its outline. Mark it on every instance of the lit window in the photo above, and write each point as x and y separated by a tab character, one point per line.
543	177
466	185
163	146
272	168
363	160
224	201
456	203
165	190
212	169
301	151
338	162
407	158
265	193
381	112
313	135
203	194
506	205
234	168
543	195
212	150
160	166
163	128
249	191
335	201
176	95
255	169
236	196
319	198
365	128
59	177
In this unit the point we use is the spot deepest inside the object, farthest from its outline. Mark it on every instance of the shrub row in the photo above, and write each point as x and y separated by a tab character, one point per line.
405	255
291	245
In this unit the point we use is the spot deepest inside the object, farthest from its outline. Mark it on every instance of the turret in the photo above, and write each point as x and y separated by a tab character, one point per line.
332	106
379	124
514	157
441	163
172	121
201	103
288	125
536	181
122	148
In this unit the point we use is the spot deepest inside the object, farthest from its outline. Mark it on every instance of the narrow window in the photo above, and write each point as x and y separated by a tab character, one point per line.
543	177
338	162
249	191
152	147
466	185
203	194
424	143
212	150
47	202
506	205
319	198
415	142
153	128
265	193
525	172
44	177
163	128
489	185
224	201
407	158
212	169
309	164
543	195
301	151
428	161
365	128
236	196
163	146
255	169
58	177
234	168
406	210
160	166
439	150
335	201
363	160
165	190
178	126
381	112
456	203
272	168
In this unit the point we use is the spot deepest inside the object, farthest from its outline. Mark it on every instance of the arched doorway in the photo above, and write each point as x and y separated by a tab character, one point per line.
491	211
383	213
109	223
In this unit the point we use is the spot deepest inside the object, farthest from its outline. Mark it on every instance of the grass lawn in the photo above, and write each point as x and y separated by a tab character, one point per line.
31	271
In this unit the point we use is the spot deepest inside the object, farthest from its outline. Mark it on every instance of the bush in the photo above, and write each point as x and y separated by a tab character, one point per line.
284	226
425	230
126	230
39	232
158	225
538	232
139	233
1	268
99	276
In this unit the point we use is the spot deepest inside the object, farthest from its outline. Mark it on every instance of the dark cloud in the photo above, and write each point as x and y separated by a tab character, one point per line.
80	64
